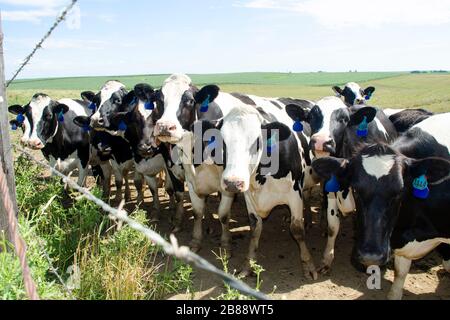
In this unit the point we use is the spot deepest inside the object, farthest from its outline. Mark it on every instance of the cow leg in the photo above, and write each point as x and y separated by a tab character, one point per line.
119	184
139	184
402	267
224	217
298	232
107	173
256	226
307	204
333	231
153	185
82	174
179	211
324	215
198	206
127	186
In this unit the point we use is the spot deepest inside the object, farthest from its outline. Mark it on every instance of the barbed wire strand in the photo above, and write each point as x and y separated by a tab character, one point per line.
172	248
17	241
38	46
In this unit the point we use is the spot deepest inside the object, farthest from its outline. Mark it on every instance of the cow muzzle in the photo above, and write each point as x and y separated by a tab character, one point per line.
372	258
234	185
322	146
167	131
35	144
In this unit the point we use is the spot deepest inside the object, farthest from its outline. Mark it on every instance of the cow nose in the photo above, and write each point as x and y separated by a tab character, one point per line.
360	101
323	145
372	258
165	128
234	185
36	144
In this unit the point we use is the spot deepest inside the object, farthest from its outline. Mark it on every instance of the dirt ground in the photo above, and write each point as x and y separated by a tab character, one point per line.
279	256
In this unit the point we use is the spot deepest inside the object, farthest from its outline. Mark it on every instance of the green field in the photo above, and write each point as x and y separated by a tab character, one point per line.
394	90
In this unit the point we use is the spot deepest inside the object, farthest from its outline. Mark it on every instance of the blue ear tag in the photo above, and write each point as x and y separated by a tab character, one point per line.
61	117
14	127
420	188
205	105
87	128
122	126
149	106
20	118
92	106
298	126
368	97
363	129
332	185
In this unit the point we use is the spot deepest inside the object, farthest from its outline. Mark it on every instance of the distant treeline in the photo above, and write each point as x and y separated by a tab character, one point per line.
432	71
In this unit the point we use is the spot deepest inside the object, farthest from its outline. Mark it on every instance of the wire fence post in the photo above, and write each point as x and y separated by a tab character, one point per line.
6	156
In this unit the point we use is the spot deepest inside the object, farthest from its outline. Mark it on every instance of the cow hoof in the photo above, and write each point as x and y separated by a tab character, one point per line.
226	250
154	219
310	272
324	270
195	247
395	296
246	273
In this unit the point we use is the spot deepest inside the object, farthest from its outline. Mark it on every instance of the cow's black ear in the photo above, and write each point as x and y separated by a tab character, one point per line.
82	121
129	102
211	92
88	96
119	117
283	130
358	117
16	110
369	91
299	111
328	167
58	108
338	91
144	92
435	169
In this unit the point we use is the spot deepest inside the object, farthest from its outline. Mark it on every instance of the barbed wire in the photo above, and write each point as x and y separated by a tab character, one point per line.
18	242
171	248
38	46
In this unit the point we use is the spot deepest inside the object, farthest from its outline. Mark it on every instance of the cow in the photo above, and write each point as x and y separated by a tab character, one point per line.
249	135
132	116
406	119
184	104
336	131
48	126
353	94
402	197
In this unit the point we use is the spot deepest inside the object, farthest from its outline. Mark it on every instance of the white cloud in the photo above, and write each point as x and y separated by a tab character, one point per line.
362	13
33	10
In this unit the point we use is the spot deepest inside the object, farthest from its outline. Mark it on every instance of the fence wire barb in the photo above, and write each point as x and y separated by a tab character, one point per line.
38	46
173	249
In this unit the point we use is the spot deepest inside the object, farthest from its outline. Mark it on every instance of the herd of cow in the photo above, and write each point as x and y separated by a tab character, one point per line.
390	167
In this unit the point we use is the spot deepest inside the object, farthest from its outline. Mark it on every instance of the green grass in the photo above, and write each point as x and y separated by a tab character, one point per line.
394	90
114	264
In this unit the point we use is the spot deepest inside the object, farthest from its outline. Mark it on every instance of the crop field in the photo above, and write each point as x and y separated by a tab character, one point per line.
124	265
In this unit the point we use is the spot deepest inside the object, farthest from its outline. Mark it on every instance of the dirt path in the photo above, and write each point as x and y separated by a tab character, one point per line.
279	255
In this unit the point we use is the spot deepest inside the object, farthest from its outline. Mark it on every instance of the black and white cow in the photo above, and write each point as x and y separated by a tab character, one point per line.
402	197
48	126
248	135
353	94
336	131
406	119
184	104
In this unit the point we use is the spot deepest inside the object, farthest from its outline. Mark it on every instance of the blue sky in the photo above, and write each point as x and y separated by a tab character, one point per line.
114	37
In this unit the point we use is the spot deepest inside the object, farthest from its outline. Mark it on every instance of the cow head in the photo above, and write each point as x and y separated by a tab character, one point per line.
107	102
183	105
353	94
40	120
381	179
319	116
245	137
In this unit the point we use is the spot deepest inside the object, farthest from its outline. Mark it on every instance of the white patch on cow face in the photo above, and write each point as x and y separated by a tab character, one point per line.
37	107
144	112
106	92
357	91
416	250
240	131
173	90
437	126
378	166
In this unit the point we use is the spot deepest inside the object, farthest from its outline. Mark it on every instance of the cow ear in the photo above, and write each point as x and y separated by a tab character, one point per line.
435	169
328	167
368	113
299	111
82	121
207	94
120	117
144	92
16	110
369	91
283	130
88	96
339	92
59	108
